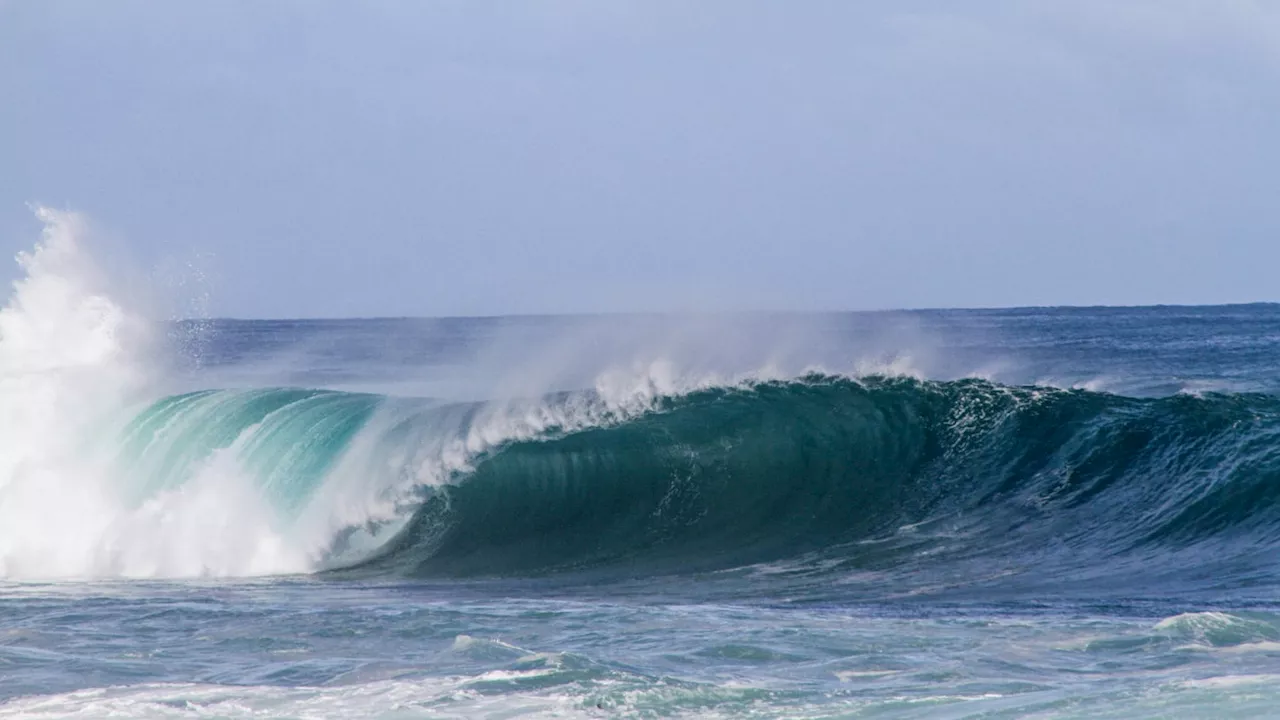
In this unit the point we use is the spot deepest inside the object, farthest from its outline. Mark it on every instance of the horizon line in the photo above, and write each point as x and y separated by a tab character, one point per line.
661	313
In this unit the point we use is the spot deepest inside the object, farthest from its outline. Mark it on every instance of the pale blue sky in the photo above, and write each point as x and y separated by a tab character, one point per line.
460	157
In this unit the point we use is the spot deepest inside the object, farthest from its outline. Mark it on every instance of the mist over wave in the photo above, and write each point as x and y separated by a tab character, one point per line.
666	448
104	472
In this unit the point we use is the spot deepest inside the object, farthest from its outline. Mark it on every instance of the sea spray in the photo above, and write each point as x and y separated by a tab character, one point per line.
73	362
65	367
103	474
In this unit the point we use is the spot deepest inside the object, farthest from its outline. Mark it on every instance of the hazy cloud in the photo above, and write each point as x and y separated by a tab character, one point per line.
451	157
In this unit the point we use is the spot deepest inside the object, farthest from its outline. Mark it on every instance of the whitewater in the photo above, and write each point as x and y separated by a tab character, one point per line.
1041	512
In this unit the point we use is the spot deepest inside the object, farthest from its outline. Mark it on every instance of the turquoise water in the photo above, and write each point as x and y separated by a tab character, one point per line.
1024	513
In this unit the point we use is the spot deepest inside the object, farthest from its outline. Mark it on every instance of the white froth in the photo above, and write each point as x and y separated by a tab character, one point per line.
72	359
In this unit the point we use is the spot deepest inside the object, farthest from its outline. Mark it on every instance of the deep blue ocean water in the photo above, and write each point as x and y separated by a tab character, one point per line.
935	514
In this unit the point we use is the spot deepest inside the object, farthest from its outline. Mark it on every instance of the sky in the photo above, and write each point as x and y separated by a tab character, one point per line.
309	158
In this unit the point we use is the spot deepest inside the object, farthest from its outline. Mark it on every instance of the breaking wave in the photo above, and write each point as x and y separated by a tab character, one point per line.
644	473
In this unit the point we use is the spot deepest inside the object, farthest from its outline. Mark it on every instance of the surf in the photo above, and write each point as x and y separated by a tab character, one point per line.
888	474
106	470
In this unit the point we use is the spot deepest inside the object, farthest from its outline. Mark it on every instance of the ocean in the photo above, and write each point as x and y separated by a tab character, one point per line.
1047	512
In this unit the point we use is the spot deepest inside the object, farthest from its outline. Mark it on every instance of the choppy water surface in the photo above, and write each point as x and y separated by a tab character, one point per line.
306	648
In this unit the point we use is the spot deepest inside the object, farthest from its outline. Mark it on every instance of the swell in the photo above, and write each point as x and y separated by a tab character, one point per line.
823	471
872	473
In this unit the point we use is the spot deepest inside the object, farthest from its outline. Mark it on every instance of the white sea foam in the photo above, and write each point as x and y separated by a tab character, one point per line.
435	697
72	360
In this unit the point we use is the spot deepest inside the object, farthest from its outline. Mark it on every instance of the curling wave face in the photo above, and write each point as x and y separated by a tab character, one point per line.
645	474
889	474
883	473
